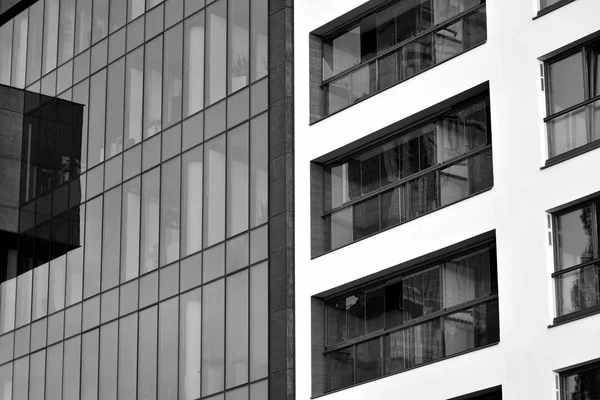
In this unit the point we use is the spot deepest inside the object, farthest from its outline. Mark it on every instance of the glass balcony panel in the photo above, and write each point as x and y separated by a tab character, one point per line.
578	290
567	132
368	360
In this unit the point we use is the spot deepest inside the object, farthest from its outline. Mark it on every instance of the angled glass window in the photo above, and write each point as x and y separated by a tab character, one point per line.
573	99
412	318
577	263
440	162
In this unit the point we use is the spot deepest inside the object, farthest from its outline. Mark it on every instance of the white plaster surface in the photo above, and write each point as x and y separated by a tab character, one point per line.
529	352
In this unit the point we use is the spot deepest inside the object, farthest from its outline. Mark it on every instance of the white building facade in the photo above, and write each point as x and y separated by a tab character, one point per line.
543	183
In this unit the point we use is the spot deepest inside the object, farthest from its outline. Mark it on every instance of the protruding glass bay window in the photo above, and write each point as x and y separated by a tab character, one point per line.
393	44
442	161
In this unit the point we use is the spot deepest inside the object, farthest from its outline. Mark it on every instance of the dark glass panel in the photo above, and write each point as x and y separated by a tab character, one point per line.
394	304
578	290
422	294
487	323
413	346
386	28
191	203
417	56
355	312
336	322
118	14
422	195
575	237
34	46
481	174
567	132
130	238
468	278
368	360
368	37
375	310
566	82
366	218
582	385
475	29
339	367
388	71
449	41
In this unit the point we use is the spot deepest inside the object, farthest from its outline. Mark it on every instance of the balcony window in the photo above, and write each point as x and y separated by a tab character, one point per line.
577	263
438	163
573	101
429	312
393	44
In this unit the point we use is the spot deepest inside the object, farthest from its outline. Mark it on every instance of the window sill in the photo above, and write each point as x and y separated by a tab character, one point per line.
408	369
551	8
571	154
575	316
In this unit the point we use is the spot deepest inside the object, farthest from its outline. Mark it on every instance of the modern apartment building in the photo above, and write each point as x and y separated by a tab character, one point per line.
442	150
136	200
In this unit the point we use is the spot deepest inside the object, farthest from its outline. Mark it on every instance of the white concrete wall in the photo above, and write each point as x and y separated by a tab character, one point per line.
529	351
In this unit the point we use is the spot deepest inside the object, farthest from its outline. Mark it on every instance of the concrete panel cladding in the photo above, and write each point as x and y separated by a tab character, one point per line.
281	204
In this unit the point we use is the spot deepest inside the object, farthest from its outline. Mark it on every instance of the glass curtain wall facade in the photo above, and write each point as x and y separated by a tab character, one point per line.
143	240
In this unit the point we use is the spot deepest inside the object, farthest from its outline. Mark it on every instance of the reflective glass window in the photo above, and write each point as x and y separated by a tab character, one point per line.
127	357
83	25
50	35
216	50
134	83
19	50
147	362
93	246
108	361
170	206
153	87
213	323
193	78
34	45
167	350
114	108
214	185
89	365
150	220
72	368
6	41
237	180
172	100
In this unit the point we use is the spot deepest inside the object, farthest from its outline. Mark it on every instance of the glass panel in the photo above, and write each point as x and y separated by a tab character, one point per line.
170	204
135	33
566	82
100	20
339	366
127	356
258	45
91	313
368	360
237	180
89	365
169	281
117	45
214	184
213	321
128	300
6	39
336	322
99	55
338	94
54	362
475	28
7	343
193	88
114	108
66	30
173	12
19	50
148	289
215	119
93	245
118	14
413	346
237	253
237	329
135	9
259	244
153	87
375	309
40	291
38	334
582	385
355	314
578	290
190	272
147	354
6	380
417	56
567	132
341	228
575	237
259	321
108	361
130	239
216	54
21	378
24	282
50	35
392	206
72	368
341	53
83	25
467	278
239	52
97	118
172	76
111	240
167	350
388	71
366	218
394	304
189	345
364	82
34	46
154	22
191	216
150	220
151	151
134	80
73	320
171	142
422	294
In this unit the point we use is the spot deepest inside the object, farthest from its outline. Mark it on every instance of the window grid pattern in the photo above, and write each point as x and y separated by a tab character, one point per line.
412	319
395	44
444	161
165	198
577	263
573	100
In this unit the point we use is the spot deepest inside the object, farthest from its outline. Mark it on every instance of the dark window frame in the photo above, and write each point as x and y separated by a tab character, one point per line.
571	50
471	246
435	169
548	9
595	202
